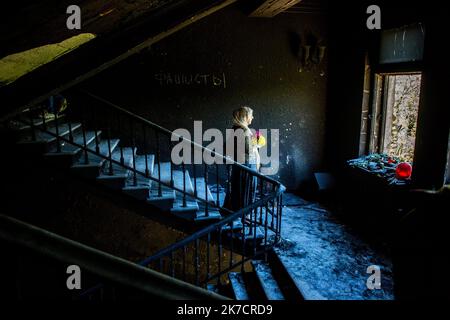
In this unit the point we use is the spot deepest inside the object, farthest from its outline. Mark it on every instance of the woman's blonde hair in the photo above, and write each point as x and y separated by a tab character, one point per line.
240	115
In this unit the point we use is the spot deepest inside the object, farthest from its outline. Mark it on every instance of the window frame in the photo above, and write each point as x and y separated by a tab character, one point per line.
372	69
378	110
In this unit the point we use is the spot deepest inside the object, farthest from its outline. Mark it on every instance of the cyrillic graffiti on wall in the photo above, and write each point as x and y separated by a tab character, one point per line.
190	79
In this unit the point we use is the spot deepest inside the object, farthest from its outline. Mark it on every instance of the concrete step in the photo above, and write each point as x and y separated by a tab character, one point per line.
266	281
140	190
140	163
163	202
22	125
69	153
184	183
45	141
119	176
237	225
249	234
200	182
188	211
213	214
214	190
165	171
177	176
293	289
251	243
238	288
201	215
67	148
118	169
92	169
195	214
178	181
42	136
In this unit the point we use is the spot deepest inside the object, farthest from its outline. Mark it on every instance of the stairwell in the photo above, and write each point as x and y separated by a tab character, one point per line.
94	165
269	279
93	154
110	155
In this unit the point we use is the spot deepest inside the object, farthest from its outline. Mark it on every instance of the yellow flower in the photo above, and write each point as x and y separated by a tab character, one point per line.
259	141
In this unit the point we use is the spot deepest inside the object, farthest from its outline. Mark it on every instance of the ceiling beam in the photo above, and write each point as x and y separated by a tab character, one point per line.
271	8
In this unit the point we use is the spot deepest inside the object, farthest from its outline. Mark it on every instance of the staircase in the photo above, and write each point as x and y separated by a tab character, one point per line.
269	279
51	140
112	147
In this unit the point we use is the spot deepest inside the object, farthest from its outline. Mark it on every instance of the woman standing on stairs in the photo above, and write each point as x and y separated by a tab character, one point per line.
242	186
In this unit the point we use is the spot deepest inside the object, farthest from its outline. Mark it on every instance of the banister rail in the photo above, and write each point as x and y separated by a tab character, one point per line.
111	268
209	229
228	160
242	233
111	160
216	230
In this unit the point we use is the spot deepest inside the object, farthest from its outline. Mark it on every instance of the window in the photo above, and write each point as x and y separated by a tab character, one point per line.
391	102
403	44
394	114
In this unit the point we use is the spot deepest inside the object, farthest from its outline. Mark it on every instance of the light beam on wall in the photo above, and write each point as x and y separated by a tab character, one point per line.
18	64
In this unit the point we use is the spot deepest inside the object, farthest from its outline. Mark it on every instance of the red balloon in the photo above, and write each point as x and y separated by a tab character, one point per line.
403	170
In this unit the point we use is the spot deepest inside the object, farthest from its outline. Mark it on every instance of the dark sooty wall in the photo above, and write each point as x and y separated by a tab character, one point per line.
236	60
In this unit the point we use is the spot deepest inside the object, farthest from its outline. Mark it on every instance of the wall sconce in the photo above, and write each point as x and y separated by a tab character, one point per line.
311	52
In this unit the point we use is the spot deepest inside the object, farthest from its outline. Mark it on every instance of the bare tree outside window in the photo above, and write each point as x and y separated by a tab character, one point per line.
401	99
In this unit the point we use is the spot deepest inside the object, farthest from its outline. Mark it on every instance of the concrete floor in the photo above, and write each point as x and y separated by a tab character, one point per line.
326	258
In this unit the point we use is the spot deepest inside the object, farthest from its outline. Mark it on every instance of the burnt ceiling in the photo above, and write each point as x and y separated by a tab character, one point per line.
308	6
29	24
122	28
119	26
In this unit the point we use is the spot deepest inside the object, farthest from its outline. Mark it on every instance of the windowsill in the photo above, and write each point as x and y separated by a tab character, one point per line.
381	169
375	196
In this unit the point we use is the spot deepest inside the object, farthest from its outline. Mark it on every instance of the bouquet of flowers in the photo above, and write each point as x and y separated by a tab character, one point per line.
258	139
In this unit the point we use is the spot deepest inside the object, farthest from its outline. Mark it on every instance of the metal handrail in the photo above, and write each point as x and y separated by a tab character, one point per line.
266	199
167	132
110	267
228	160
96	153
209	229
